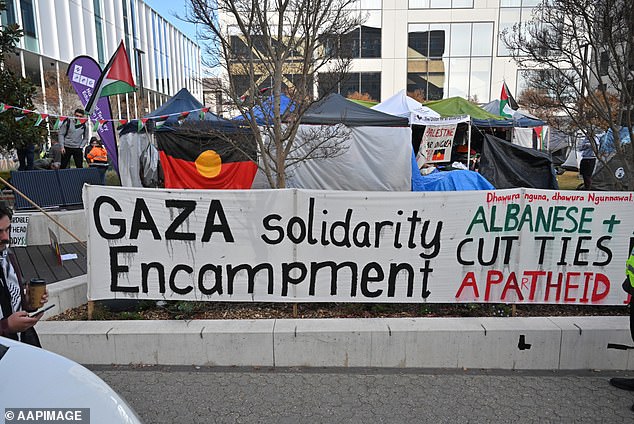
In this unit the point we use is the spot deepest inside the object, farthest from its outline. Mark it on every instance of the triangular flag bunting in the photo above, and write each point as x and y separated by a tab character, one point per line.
139	125
19	118
102	121
96	126
116	78
26	111
5	108
158	122
58	123
82	121
183	115
38	121
122	121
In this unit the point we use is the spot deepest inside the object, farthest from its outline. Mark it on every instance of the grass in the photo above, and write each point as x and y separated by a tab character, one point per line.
568	180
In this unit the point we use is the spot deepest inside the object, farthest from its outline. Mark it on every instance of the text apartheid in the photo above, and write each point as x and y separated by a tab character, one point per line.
514	246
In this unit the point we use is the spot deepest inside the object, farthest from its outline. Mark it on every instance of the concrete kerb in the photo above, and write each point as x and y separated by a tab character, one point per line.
546	343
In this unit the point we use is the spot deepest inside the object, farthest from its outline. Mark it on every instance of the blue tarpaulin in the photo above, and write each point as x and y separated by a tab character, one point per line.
456	180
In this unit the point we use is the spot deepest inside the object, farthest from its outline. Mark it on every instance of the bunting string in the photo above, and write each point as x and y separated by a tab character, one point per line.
58	120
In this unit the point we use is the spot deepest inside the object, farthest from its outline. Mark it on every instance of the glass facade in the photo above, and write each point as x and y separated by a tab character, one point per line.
368	83
513	12
440	4
450	59
99	32
29	25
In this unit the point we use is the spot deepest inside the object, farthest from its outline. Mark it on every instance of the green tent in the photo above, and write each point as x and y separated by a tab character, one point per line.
456	106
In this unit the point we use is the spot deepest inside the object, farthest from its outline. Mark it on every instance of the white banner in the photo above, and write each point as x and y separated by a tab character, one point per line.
509	246
436	144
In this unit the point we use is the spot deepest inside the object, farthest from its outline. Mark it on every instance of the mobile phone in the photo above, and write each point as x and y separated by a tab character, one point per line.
39	311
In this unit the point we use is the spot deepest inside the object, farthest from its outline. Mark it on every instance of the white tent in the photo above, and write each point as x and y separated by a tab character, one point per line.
373	150
404	106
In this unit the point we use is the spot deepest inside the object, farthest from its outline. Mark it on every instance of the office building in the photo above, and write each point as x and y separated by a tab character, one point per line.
162	58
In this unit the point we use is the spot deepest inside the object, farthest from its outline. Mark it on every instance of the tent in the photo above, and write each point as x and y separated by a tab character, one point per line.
404	106
521	118
194	153
457	106
372	153
507	165
264	114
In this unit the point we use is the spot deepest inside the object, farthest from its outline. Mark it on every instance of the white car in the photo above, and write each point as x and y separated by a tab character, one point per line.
38	379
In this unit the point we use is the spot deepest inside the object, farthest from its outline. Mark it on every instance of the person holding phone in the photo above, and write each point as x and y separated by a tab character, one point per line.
15	323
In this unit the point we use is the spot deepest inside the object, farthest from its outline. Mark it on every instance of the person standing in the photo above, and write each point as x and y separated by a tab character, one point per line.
72	137
97	157
588	161
26	157
14	321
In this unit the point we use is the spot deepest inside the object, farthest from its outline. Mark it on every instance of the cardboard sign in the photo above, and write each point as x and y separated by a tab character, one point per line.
19	229
436	144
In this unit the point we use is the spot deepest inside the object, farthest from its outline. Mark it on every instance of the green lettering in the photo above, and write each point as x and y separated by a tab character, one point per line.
585	219
541	218
492	227
557	219
571	217
511	217
479	218
527	216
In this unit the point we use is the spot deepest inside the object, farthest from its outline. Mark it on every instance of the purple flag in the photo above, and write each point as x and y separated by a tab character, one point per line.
83	73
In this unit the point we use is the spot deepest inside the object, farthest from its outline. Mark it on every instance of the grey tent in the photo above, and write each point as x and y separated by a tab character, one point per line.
367	150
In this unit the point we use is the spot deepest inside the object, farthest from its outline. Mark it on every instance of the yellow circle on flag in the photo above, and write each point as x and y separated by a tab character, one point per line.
208	164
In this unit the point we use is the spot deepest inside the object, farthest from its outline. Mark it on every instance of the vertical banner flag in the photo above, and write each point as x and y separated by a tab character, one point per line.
83	73
507	102
436	144
116	78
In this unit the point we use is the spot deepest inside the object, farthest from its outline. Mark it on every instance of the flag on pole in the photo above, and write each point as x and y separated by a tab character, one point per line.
507	102
116	78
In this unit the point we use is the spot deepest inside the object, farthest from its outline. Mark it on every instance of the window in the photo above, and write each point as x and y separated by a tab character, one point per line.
8	15
99	32
451	59
28	17
513	12
362	42
361	82
441	4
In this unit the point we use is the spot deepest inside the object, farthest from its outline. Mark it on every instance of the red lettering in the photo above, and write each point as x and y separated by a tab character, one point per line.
469	281
586	284
534	276
511	283
570	286
549	285
602	280
493	277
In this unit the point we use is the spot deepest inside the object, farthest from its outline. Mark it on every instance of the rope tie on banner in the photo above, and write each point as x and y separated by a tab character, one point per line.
49	216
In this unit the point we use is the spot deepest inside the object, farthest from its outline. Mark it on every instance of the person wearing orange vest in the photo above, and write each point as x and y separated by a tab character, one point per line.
97	157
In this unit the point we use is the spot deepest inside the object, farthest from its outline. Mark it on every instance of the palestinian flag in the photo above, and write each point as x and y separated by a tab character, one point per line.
191	161
116	78
507	102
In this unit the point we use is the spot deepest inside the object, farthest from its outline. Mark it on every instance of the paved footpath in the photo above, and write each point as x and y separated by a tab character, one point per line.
250	395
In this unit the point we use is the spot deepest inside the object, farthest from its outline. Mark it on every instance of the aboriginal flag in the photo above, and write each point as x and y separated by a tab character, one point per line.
204	161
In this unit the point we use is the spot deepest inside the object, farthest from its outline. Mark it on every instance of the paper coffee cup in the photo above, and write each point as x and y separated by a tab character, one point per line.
36	289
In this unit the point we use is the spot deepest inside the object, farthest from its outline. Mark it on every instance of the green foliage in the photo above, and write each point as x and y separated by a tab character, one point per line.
15	91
